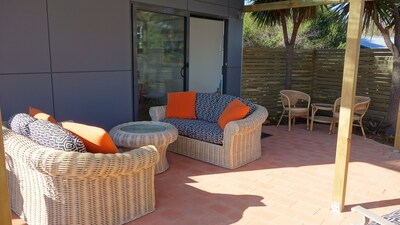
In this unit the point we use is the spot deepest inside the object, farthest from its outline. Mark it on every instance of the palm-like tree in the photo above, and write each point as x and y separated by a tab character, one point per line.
282	17
385	14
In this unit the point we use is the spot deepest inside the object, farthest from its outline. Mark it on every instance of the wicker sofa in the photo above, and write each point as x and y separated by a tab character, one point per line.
240	141
49	186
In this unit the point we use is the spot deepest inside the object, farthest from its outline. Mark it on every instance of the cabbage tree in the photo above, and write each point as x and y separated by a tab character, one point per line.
385	15
283	18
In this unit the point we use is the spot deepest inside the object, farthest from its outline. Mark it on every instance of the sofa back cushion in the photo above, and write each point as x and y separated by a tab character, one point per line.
95	139
205	105
19	123
181	105
236	110
209	106
40	115
51	135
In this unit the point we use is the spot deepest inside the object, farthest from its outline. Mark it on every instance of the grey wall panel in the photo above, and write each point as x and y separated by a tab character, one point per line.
98	98
90	35
233	81
208	8
177	4
217	2
19	91
236	4
235	39
24	46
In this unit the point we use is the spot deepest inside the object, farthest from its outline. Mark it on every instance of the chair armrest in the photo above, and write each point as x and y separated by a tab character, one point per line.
54	162
247	124
157	113
75	164
369	216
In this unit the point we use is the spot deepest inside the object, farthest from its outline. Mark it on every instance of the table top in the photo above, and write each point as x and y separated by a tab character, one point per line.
141	128
140	133
323	106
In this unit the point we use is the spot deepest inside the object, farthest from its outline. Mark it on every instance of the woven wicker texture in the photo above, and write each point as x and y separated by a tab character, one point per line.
160	139
49	186
241	144
361	104
291	101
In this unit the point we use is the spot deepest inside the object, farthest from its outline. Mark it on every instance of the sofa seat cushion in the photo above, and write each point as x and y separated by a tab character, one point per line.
209	106
198	129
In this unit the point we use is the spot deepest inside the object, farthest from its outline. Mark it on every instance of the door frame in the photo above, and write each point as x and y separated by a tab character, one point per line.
135	6
224	46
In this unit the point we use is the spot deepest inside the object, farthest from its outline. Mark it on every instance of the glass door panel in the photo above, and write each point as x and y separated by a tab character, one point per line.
160	58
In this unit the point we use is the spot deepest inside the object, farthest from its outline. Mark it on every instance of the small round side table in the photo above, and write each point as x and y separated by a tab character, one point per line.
137	134
321	119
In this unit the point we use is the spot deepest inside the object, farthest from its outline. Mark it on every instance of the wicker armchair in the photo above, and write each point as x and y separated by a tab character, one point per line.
49	186
291	107
360	108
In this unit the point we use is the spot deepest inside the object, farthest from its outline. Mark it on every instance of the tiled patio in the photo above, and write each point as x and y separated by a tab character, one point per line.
290	184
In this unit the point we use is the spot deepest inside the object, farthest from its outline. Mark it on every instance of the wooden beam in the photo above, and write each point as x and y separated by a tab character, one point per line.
5	211
349	84
289	4
397	136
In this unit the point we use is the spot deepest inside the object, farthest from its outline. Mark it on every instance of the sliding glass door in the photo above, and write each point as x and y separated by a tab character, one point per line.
160	54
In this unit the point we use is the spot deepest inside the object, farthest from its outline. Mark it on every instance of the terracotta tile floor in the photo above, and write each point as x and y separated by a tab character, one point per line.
290	184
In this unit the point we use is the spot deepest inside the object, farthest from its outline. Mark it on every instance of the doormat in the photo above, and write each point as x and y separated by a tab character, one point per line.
265	135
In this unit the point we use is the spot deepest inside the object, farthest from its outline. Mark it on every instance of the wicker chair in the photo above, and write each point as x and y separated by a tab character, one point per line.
360	108
291	100
49	186
370	218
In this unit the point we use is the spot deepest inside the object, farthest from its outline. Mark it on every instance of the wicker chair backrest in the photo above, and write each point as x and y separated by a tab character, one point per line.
292	97
361	105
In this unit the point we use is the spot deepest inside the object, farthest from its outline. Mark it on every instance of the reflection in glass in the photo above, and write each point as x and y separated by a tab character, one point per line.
160	57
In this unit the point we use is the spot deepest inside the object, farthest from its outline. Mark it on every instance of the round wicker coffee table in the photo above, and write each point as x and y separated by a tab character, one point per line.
137	134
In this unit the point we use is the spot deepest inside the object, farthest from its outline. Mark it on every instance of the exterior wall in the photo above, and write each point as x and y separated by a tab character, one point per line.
73	58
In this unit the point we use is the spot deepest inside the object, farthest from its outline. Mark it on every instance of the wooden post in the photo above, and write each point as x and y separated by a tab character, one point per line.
349	84
397	136
5	211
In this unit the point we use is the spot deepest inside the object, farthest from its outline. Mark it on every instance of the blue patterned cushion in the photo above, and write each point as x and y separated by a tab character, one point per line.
51	135
19	123
198	129
209	106
249	103
393	217
205	103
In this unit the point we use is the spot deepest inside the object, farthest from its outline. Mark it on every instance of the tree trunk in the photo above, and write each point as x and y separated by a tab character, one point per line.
289	66
290	46
394	97
392	113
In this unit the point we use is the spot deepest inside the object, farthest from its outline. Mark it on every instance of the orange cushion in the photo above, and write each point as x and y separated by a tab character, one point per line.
95	139
40	115
236	110
181	105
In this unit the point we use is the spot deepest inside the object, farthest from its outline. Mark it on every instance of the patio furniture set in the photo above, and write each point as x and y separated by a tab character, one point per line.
55	177
297	104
